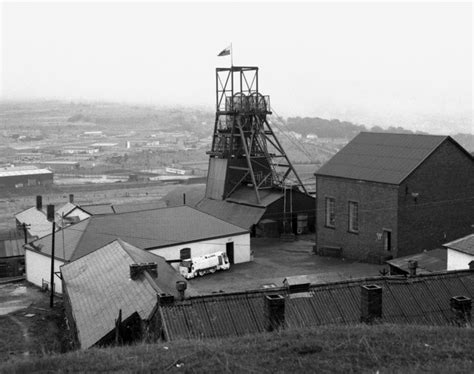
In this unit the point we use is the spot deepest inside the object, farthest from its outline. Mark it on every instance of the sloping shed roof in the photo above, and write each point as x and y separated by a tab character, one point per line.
429	261
465	244
421	300
36	219
240	215
382	157
144	229
246	195
98	286
12	247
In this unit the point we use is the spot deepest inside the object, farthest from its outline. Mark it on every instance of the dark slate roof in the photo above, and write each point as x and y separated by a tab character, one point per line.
98	286
420	300
240	215
429	261
147	229
381	157
194	193
465	244
136	207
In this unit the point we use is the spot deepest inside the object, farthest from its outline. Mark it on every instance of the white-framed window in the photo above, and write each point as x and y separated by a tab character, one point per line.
330	212
353	216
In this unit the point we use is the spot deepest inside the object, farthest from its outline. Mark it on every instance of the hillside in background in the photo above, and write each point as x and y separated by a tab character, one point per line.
334	128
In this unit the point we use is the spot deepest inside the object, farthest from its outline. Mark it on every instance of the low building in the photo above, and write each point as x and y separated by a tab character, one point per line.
12	254
36	222
434	299
118	282
460	252
18	177
421	263
392	195
165	232
60	166
277	208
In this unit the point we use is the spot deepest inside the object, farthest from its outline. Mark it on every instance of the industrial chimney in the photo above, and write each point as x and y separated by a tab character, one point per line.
461	307
181	287
274	312
39	202
370	302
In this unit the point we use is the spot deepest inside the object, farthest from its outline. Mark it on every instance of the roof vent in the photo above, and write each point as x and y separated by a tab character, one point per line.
137	269
297	284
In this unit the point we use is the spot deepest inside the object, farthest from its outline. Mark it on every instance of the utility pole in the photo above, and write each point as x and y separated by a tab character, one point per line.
50	216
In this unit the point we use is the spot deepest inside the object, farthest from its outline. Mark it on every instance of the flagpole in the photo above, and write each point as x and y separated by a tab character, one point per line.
231	56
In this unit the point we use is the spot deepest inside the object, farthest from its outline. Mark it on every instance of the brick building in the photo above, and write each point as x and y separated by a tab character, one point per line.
391	195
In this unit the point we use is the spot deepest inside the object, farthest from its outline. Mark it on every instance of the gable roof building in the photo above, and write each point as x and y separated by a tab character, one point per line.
425	299
99	285
382	157
390	195
162	231
460	252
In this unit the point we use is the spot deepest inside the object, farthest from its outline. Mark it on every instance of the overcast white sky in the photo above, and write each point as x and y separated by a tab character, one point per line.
401	64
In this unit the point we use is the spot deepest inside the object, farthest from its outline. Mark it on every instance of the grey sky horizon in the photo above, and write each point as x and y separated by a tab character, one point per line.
386	64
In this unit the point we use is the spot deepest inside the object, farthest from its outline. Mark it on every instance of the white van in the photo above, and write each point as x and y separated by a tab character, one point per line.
202	265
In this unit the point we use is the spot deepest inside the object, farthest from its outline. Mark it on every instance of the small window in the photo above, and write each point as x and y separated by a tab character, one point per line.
387	240
330	212
353	216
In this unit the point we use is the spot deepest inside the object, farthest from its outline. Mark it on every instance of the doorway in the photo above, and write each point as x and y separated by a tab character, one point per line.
229	250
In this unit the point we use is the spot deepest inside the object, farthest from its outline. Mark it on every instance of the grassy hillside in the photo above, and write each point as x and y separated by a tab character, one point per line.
336	349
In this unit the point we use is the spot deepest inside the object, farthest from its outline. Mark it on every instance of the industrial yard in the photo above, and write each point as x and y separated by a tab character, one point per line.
286	204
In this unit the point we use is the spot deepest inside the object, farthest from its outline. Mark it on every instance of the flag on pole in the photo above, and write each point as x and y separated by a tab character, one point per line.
225	52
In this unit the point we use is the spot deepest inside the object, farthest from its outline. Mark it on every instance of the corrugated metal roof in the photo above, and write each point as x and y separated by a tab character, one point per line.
429	261
422	300
99	285
240	215
144	229
12	247
465	244
381	157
